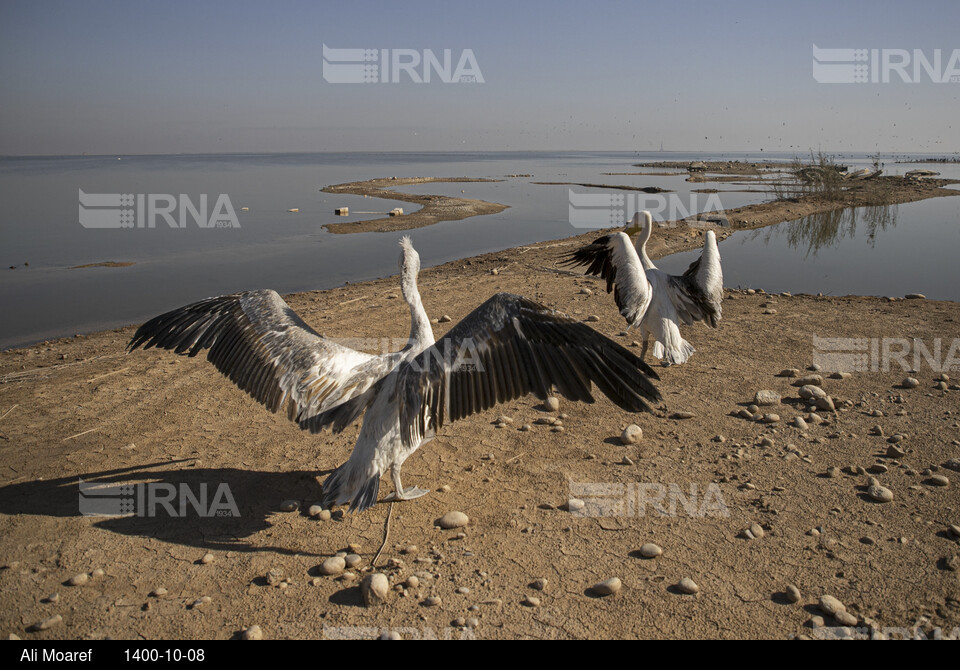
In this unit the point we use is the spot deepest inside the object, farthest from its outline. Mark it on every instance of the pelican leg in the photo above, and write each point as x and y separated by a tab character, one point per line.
399	492
643	349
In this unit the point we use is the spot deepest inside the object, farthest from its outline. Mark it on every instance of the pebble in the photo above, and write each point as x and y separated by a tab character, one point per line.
206	559
826	404
375	588
47	623
910	383
314	510
575	505
894	451
915	296
844	618
608	587
586	291
687	585
52	598
682	415
539	584
98	573
955	530
200	602
412	582
789	372
756	530
650	550
274	577
472	622
766	397
453	520
831	605
78	580
745	414
811	392
525	427
445	319
808	380
333	566
939	480
289	506
798	422
433	601
593	318
793	593
158	592
840	375
833	472
530	601
252	633
552	404
352	560
771	418
631	434
880	493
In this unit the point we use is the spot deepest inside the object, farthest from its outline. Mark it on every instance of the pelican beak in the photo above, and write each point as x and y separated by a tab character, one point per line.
632	230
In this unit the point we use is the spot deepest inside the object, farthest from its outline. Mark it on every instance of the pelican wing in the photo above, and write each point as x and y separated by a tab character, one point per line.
508	347
698	293
614	258
260	343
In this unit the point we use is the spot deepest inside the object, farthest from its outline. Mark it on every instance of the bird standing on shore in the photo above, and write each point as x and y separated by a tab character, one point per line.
508	347
696	295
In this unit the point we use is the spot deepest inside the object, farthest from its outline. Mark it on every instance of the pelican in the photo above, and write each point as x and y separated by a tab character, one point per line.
696	295
508	347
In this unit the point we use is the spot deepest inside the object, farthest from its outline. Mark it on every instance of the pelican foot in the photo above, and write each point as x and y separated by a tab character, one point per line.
408	494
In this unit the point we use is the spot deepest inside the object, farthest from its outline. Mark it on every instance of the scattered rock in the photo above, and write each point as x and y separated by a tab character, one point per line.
688	586
789	372
771	418
880	493
939	480
453	520
530	601
830	605
575	505
207	558
793	593
158	592
766	397
274	577
552	404
539	584
433	601
910	383
375	588
48	623
608	587
78	580
289	506
844	618
915	296
682	415
808	380
252	633
650	550
631	434
333	566
445	319
593	318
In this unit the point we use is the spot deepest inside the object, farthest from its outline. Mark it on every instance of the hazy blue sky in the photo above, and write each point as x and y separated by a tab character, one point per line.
194	77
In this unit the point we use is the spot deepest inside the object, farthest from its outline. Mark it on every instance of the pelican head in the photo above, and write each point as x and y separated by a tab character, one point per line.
639	221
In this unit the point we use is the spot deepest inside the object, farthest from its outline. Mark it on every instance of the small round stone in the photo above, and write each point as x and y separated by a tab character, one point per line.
552	404
831	605
158	592
333	566
631	434
79	580
766	397
793	593
910	383
939	480
575	505
844	618
650	550
412	582
314	510
98	573
206	559
352	560
453	520
880	493
46	624
530	601
539	584
688	586
289	506
433	601
608	587
375	588
252	633
757	530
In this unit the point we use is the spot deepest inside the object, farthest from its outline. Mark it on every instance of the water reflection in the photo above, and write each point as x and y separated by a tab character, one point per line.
826	229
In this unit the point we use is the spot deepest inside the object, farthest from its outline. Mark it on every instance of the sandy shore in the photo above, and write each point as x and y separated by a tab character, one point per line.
82	408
